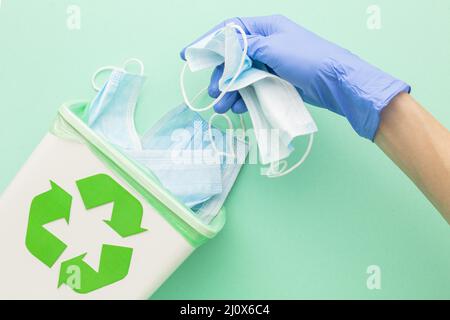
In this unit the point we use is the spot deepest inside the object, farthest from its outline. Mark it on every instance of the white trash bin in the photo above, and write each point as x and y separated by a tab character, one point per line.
82	221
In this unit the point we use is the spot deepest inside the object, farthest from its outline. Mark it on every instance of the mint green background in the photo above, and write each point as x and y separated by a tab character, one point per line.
311	234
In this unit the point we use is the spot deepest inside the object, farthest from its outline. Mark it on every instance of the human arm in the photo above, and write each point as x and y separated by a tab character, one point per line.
420	146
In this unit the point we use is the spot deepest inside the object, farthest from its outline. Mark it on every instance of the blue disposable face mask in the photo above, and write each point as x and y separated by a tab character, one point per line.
177	149
274	105
111	113
178	153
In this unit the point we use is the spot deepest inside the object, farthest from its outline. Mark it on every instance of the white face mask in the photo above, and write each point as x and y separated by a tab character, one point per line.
276	109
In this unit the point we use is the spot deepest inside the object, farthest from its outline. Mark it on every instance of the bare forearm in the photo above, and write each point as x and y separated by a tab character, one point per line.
420	146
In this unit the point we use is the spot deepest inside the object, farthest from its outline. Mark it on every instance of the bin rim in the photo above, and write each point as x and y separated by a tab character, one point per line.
150	185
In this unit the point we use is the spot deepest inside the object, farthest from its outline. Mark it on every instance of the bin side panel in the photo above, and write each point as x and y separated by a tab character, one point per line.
48	180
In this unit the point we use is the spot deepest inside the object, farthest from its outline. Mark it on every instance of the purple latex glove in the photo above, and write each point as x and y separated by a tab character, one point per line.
325	74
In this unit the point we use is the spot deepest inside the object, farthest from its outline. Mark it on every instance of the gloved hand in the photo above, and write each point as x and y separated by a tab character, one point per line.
325	74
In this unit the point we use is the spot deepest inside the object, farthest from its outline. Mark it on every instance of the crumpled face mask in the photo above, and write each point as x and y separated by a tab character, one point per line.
177	150
274	105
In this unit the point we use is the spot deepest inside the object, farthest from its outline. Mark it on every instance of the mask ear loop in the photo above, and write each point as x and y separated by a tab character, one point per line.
137	61
97	72
230	126
273	169
273	173
213	143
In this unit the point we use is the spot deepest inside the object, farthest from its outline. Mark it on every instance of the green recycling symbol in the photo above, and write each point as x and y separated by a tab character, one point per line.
56	203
